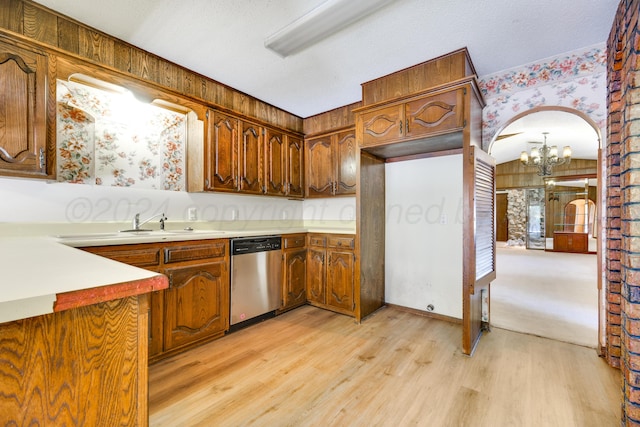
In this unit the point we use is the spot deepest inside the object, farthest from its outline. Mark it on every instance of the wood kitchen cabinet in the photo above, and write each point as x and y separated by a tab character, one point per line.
331	272
331	164
294	259
195	307
27	148
411	119
245	157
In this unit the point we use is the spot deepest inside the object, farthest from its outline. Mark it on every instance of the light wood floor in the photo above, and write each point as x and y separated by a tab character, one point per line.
311	367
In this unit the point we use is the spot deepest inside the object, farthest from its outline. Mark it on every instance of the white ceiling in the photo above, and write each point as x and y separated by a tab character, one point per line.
563	128
224	39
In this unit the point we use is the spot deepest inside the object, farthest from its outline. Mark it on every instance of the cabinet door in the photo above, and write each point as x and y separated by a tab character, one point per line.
319	163
222	159
382	125
275	164
340	280
345	155
295	273
23	112
295	167
315	275
434	114
196	303
250	156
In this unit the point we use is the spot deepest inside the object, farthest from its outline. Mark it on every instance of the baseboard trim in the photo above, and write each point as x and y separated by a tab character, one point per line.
426	313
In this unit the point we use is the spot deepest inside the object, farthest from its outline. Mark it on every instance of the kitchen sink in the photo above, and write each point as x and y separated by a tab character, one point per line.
134	234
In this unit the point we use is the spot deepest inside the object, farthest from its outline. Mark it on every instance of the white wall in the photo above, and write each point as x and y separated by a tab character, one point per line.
31	200
423	258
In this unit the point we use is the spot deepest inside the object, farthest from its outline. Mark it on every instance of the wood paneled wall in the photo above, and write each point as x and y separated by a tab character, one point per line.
52	30
514	174
418	78
338	118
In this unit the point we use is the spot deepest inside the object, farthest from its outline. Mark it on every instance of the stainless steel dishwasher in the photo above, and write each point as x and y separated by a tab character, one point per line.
256	279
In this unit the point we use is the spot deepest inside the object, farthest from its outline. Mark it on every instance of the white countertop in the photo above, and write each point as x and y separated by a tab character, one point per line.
35	269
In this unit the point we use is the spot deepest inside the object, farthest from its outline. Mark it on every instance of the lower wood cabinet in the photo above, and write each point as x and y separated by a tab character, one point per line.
294	258
196	303
331	272
195	307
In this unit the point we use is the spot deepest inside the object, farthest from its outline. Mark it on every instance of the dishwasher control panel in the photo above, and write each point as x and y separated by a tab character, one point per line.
255	244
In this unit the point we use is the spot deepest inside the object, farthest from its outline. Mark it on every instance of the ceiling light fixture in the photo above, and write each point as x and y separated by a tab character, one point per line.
545	157
321	22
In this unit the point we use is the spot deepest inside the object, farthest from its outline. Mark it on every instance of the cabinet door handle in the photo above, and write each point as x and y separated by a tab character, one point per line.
400	127
407	127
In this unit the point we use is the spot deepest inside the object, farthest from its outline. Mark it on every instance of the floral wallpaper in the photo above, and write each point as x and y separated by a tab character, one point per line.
575	80
111	139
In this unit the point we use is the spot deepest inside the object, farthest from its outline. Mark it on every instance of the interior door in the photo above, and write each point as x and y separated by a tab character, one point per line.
502	220
479	248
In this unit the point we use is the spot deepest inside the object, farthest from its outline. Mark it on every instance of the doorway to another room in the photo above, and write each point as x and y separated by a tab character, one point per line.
547	230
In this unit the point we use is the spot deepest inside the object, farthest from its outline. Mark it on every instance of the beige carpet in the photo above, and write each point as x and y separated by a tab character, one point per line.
549	294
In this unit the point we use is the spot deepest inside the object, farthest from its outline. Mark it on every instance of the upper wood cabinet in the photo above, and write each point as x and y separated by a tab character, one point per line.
25	148
331	164
250	159
295	166
222	153
242	156
412	119
276	163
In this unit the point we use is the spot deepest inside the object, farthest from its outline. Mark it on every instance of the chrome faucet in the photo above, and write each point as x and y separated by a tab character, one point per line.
136	223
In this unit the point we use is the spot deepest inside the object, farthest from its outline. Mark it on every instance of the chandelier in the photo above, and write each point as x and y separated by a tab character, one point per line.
545	157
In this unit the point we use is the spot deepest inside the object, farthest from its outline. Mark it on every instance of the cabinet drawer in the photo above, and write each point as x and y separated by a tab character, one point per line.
341	242
294	241
148	257
315	240
210	249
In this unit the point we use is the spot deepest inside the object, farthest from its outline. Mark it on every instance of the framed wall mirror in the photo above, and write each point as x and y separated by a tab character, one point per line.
571	204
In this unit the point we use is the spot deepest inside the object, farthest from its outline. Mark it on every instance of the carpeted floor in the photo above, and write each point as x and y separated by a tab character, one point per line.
549	294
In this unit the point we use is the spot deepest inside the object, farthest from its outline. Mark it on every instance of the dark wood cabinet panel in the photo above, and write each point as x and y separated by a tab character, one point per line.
382	125
295	273
250	159
295	167
423	123
275	166
331	164
195	308
434	114
320	169
196	303
221	155
340	279
25	148
345	164
316	275
331	272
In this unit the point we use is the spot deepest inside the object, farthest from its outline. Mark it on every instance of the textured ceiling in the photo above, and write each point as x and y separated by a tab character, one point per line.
224	39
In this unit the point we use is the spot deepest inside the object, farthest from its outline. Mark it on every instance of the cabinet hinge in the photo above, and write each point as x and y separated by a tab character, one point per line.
464	123
171	280
464	91
41	158
207	114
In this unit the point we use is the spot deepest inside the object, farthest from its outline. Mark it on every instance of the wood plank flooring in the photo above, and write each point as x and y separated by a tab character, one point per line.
311	367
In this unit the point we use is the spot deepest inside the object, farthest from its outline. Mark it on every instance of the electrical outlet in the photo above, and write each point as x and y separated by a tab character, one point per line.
192	214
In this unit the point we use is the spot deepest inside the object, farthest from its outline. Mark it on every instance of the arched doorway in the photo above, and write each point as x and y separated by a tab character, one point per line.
565	127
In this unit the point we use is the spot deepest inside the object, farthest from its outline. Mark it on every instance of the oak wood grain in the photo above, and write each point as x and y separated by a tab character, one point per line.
311	367
77	367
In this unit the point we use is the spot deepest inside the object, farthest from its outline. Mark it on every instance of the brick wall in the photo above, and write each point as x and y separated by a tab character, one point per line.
623	205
